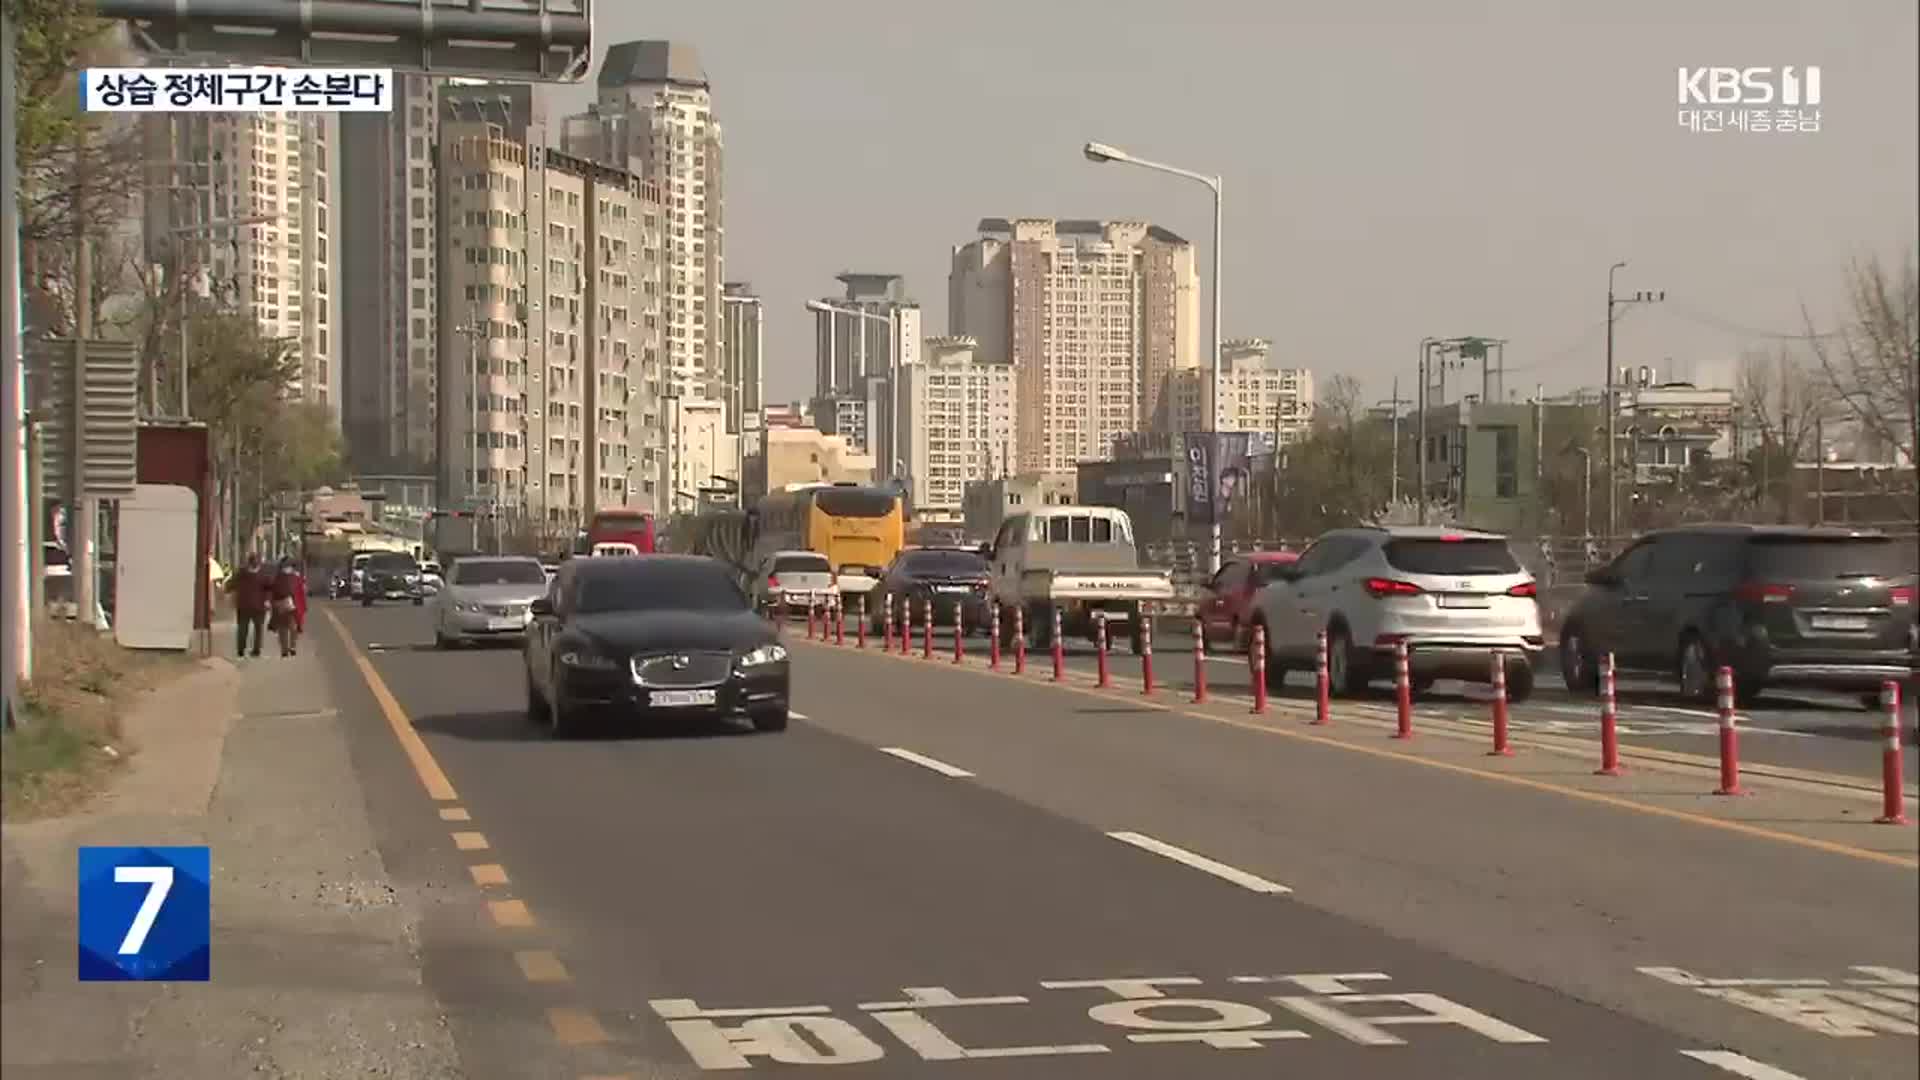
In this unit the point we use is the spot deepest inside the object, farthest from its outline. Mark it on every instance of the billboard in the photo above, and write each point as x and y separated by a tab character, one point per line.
1216	469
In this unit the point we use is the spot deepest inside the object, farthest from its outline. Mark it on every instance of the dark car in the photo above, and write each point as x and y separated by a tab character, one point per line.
1817	607
1227	611
943	577
633	640
391	576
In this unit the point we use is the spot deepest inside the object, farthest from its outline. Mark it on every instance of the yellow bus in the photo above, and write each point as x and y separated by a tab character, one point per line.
859	529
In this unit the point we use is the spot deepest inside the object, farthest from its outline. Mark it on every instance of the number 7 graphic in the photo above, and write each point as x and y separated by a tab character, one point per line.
159	882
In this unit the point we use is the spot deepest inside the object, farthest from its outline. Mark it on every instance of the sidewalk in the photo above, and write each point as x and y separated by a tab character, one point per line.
315	972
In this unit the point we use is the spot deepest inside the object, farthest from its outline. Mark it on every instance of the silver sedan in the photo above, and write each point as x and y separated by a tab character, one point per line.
487	598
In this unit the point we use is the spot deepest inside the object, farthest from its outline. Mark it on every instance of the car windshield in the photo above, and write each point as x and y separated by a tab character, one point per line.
498	572
646	585
393	564
1471	555
946	563
1828	558
801	564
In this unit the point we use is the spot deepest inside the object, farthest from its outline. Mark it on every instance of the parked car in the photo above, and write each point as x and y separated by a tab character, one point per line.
391	575
792	580
488	598
1227	611
942	577
634	640
1454	597
1817	607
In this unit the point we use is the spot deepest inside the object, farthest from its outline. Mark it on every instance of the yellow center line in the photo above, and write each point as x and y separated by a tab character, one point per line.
455	813
488	874
1594	797
539	965
575	1027
512	914
439	788
470	841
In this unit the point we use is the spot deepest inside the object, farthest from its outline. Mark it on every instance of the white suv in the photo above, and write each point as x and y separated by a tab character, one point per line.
1454	596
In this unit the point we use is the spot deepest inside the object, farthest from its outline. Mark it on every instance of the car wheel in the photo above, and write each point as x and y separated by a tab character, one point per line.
441	641
366	601
1345	675
1422	683
419	601
1695	670
561	722
770	720
1578	668
1519	682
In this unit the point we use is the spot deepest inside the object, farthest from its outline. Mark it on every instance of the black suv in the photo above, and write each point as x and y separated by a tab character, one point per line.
392	576
1819	607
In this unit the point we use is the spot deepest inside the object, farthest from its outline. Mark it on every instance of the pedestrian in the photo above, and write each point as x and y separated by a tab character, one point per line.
284	590
249	587
299	604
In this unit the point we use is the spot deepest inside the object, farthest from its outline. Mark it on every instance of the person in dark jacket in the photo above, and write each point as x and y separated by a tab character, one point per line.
285	593
250	586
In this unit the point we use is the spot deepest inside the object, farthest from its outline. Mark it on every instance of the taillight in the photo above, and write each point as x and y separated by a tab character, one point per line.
1900	595
1525	588
1764	593
1388	587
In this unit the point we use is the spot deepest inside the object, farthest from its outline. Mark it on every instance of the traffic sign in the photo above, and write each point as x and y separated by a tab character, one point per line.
516	40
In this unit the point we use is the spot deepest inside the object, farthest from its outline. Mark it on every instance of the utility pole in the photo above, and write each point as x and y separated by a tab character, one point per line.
1394	403
1609	398
82	511
1420	436
16	582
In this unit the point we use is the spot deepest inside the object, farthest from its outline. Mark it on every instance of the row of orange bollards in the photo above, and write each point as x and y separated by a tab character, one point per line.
829	620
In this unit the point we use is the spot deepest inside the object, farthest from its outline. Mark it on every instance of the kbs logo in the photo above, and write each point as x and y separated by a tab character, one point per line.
1788	86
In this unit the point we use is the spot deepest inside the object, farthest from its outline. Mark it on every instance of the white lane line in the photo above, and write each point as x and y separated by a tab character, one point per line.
791	715
1201	862
1740	1065
926	762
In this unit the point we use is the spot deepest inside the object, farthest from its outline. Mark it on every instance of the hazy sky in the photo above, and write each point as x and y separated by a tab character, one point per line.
1398	169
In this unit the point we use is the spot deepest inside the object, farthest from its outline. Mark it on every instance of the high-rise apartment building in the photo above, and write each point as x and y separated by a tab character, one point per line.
743	336
389	347
957	414
1091	314
1255	395
279	173
654	117
862	339
549	308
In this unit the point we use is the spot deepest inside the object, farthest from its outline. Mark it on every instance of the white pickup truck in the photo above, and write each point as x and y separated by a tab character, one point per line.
1080	560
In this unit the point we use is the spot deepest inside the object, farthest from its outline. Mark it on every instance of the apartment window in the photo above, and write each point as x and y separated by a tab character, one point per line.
419	237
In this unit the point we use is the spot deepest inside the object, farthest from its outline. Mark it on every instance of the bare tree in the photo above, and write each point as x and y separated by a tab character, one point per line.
1871	366
1783	402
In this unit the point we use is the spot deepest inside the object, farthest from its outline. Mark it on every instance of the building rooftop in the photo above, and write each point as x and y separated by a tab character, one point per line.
1078	227
638	62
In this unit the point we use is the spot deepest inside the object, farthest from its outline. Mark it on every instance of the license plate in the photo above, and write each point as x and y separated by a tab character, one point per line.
503	624
681	699
1840	622
954	589
1462	600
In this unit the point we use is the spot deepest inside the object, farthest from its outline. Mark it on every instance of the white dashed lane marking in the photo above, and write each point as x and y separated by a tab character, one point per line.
926	762
1740	1065
1220	870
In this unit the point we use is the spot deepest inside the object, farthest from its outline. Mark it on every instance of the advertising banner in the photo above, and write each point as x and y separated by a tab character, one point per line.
1216	470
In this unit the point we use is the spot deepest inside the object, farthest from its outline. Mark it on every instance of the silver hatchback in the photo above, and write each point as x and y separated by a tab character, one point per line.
1455	598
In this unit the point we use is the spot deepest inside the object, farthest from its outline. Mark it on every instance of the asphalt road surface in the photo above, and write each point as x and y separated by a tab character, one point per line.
944	872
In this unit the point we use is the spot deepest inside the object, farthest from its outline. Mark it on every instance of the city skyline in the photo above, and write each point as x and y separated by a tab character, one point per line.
1393	223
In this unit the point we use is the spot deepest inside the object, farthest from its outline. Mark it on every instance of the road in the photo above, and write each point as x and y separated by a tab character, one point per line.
1802	730
942	869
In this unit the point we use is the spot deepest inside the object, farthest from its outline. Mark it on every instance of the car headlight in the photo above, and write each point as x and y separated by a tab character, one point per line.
463	606
765	654
575	658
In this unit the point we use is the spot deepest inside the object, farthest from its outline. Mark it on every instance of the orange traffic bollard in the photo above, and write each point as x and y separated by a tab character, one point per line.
1893	809
1609	722
1729	736
1322	682
1403	690
1257	667
1501	748
1199	661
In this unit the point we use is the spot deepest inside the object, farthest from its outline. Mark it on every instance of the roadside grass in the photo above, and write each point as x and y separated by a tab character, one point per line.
69	741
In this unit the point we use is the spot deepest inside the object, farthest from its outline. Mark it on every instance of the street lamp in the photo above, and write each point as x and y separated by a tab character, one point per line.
1102	154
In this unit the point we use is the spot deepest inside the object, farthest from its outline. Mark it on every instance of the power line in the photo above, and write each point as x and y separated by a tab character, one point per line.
1731	327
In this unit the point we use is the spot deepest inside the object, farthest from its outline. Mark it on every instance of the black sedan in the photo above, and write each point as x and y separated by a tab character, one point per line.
647	639
941	576
392	576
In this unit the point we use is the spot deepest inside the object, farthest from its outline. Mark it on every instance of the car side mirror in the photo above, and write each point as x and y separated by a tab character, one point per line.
541	606
1603	578
986	552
